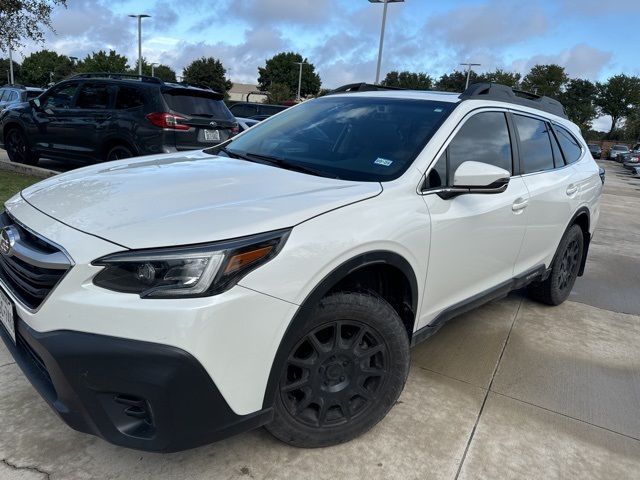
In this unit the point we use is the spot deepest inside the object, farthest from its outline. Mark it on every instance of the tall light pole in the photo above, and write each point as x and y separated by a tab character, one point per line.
300	78
384	22
153	69
140	17
469	65
11	80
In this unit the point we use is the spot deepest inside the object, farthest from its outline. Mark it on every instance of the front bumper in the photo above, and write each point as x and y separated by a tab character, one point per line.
135	394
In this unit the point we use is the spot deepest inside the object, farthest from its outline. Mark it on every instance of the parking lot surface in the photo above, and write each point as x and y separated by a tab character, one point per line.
513	389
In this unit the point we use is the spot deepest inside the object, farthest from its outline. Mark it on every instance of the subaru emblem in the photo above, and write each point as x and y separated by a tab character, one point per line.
213	124
8	237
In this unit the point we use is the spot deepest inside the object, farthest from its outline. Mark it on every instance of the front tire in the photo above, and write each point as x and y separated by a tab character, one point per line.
18	148
564	270
344	373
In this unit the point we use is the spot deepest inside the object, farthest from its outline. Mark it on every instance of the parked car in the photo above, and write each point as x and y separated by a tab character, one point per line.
258	111
631	162
111	116
616	150
280	278
246	123
12	94
596	150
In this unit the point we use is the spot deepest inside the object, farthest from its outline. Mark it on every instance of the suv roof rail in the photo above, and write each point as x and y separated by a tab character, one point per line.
504	93
14	85
361	87
119	76
194	85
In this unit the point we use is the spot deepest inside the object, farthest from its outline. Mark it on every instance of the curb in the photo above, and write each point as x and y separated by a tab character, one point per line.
26	169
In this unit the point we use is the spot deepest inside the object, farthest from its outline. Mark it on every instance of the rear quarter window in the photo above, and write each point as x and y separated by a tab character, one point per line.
197	106
129	97
570	146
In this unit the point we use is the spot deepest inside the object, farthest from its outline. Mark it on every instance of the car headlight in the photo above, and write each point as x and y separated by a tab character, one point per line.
193	271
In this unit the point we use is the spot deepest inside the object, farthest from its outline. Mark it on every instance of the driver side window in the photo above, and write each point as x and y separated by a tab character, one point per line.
483	138
60	97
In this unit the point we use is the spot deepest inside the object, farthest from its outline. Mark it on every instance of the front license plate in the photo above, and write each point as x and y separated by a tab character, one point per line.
6	316
211	135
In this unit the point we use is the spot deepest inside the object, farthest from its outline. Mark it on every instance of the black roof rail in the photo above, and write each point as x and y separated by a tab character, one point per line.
119	76
503	93
193	85
14	85
361	87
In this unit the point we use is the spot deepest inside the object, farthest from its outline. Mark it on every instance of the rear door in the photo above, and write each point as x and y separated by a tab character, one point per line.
552	186
208	119
52	131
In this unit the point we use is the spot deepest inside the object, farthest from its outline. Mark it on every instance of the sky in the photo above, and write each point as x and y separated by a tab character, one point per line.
340	37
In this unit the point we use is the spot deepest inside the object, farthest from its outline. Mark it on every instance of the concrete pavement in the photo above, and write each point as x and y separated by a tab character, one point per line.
513	389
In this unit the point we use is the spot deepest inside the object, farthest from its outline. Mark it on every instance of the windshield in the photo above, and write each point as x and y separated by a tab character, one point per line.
347	137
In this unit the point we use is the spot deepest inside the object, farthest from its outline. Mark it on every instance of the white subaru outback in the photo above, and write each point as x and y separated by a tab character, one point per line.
280	278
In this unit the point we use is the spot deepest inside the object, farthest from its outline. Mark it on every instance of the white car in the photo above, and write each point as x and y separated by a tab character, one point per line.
279	279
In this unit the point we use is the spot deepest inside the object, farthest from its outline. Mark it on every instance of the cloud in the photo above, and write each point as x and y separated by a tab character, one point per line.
299	12
598	7
582	61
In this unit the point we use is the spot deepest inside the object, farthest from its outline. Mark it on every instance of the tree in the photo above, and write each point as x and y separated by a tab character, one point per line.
43	67
4	69
22	20
281	68
546	80
511	79
103	62
278	93
406	79
456	81
632	125
579	102
618	97
208	71
163	72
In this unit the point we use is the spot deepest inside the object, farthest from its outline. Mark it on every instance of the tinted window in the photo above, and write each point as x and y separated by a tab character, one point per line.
535	145
61	97
94	97
198	106
349	137
438	174
129	97
271	110
558	159
483	138
240	110
33	94
570	146
3	92
13	95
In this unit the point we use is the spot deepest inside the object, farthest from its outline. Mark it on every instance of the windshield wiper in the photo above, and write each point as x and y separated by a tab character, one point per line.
296	167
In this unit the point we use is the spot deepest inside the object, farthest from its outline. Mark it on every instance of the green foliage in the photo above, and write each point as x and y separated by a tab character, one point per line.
25	20
4	69
578	99
410	80
43	67
632	125
618	97
103	62
546	80
322	92
208	71
456	81
511	79
282	69
278	93
163	72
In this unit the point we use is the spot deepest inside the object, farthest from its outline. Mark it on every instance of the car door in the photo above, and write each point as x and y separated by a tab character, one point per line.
475	238
552	187
51	131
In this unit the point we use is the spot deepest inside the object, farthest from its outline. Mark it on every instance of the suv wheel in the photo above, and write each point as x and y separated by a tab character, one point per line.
18	148
344	373
118	152
564	271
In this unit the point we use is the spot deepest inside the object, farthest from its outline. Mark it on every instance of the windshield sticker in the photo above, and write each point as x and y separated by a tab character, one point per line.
438	110
383	161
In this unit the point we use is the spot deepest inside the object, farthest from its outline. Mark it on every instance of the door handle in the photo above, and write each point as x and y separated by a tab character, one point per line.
572	189
519	205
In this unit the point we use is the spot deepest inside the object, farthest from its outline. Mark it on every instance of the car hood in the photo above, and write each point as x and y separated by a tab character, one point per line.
188	198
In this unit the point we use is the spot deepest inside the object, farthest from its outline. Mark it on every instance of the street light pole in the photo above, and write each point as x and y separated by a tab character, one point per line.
300	79
11	79
153	69
140	17
384	22
469	65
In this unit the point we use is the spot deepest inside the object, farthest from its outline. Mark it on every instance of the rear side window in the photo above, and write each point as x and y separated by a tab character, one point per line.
483	138
94	97
570	146
61	97
129	97
33	94
3	93
198	106
13	95
240	110
535	144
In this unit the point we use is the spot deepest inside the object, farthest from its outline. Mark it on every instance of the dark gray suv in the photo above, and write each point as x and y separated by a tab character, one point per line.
102	117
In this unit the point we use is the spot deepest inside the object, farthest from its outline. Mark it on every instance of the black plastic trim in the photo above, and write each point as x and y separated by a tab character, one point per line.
333	278
90	380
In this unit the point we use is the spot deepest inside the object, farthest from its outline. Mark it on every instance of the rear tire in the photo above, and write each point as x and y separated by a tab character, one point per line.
118	152
18	148
564	270
344	373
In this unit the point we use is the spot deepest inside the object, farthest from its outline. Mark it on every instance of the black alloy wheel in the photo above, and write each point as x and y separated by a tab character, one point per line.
119	152
334	374
569	265
17	148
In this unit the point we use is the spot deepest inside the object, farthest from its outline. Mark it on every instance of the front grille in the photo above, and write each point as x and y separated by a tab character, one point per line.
33	266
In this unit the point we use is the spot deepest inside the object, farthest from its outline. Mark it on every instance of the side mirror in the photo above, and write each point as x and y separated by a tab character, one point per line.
35	103
477	177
